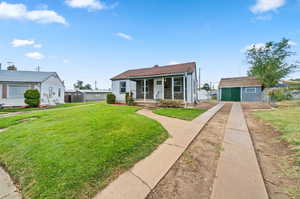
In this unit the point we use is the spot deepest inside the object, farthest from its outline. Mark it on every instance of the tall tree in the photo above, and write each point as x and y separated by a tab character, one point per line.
79	85
269	63
206	87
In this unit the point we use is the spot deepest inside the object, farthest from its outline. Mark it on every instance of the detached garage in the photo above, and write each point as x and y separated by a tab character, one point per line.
240	89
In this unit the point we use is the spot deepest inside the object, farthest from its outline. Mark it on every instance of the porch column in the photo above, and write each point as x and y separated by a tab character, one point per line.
144	89
172	88
184	100
163	88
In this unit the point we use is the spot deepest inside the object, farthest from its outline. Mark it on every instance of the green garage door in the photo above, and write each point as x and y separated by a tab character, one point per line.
231	94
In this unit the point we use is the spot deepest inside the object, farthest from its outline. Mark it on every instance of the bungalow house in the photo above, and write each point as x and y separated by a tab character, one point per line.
14	83
241	89
171	82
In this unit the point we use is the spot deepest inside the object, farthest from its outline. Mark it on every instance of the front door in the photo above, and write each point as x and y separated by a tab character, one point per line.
158	89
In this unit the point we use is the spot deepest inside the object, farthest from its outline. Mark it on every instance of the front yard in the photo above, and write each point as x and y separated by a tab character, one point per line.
72	153
286	120
180	113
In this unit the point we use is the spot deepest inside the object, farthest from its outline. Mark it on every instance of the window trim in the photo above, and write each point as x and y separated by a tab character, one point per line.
179	79
247	90
9	96
123	87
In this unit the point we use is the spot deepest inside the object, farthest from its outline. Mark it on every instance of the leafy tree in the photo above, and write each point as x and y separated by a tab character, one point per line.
79	85
269	63
206	87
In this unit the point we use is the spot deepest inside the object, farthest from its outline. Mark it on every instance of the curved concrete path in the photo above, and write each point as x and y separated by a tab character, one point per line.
7	188
145	175
238	172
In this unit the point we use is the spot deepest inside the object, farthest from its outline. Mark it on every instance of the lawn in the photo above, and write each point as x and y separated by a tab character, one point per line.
13	110
72	153
180	113
287	121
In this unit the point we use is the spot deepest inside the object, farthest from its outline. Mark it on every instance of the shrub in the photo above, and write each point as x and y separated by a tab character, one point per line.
129	99
170	103
279	94
110	98
32	97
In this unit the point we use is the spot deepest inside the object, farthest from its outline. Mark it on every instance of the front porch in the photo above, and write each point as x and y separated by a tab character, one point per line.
152	90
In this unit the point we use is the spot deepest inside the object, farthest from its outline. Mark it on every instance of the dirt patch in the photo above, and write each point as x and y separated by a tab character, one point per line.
193	174
206	104
281	174
255	105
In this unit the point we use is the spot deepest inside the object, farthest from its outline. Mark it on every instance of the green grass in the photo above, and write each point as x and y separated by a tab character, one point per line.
72	153
13	110
286	121
180	113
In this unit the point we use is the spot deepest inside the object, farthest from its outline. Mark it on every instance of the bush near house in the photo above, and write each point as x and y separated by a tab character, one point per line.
110	98
32	97
129	99
279	94
170	103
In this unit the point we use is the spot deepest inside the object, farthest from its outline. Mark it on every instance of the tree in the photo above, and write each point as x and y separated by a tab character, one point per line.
79	85
206	87
269	63
32	97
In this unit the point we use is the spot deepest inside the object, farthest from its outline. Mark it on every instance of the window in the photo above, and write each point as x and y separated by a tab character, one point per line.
17	91
158	82
123	87
250	90
178	85
59	92
50	91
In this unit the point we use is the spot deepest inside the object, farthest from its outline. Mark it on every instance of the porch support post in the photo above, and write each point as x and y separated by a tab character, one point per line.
172	88
144	89
163	88
184	97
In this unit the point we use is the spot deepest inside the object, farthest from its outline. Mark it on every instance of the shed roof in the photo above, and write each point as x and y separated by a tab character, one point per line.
239	82
24	76
157	70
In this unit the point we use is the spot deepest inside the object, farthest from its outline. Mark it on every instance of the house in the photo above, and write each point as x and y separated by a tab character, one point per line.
171	82
85	95
14	83
240	89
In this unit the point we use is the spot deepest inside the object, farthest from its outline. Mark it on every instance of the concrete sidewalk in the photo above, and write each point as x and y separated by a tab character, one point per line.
238	173
7	188
146	174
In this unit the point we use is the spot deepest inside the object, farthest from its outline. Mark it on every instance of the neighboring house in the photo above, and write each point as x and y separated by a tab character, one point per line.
240	89
14	83
171	82
85	95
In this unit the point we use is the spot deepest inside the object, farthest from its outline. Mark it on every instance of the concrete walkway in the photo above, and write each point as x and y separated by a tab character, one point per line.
7	188
145	175
238	173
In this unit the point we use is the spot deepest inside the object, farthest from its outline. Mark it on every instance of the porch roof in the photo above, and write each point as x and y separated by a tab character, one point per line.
157	70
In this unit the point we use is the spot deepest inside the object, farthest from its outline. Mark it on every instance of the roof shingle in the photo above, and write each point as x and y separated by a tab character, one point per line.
24	76
157	70
239	82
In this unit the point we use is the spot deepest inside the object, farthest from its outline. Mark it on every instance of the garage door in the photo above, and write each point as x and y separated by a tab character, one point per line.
231	94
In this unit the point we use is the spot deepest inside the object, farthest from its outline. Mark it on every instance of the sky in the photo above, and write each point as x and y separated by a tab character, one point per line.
94	40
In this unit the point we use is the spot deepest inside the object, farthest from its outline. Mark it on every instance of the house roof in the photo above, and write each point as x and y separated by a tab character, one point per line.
24	76
239	82
291	82
158	70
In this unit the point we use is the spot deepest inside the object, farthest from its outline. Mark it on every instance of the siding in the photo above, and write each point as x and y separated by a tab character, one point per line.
55	84
252	97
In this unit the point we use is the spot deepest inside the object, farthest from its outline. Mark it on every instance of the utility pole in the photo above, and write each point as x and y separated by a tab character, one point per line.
95	85
38	68
199	79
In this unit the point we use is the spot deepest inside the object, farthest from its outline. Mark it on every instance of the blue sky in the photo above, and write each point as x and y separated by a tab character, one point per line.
96	39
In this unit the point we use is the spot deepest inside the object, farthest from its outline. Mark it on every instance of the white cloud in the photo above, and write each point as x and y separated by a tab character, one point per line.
89	4
291	43
124	36
173	62
256	46
66	61
19	11
20	42
34	55
37	45
262	6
